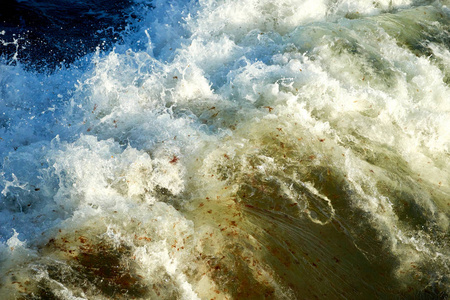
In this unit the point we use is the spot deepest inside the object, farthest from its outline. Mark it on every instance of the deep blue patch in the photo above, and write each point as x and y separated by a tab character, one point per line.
51	33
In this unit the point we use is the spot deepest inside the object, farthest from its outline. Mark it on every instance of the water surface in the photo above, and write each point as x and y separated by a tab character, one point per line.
234	150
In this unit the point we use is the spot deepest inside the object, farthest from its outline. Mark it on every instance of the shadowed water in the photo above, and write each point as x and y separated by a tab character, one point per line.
45	34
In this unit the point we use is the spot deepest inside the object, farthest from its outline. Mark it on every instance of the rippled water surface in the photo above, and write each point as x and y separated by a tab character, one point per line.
230	150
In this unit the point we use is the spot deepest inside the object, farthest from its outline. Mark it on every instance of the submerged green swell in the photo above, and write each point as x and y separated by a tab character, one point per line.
416	28
348	257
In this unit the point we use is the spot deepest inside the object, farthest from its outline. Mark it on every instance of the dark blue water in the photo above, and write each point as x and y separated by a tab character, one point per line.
44	34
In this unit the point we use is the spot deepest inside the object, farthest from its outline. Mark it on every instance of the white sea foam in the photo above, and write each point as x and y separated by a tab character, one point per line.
181	151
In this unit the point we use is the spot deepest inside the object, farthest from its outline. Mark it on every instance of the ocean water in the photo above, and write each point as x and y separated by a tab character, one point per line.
230	149
45	34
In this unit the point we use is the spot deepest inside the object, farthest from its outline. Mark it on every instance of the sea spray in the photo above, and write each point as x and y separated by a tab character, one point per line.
235	150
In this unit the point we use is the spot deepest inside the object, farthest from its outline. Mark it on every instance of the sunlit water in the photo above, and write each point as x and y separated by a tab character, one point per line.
235	150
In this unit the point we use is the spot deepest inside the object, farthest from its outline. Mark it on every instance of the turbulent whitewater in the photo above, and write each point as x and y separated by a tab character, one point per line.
234	150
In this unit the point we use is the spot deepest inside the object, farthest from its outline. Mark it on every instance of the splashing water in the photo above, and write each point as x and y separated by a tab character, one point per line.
235	150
